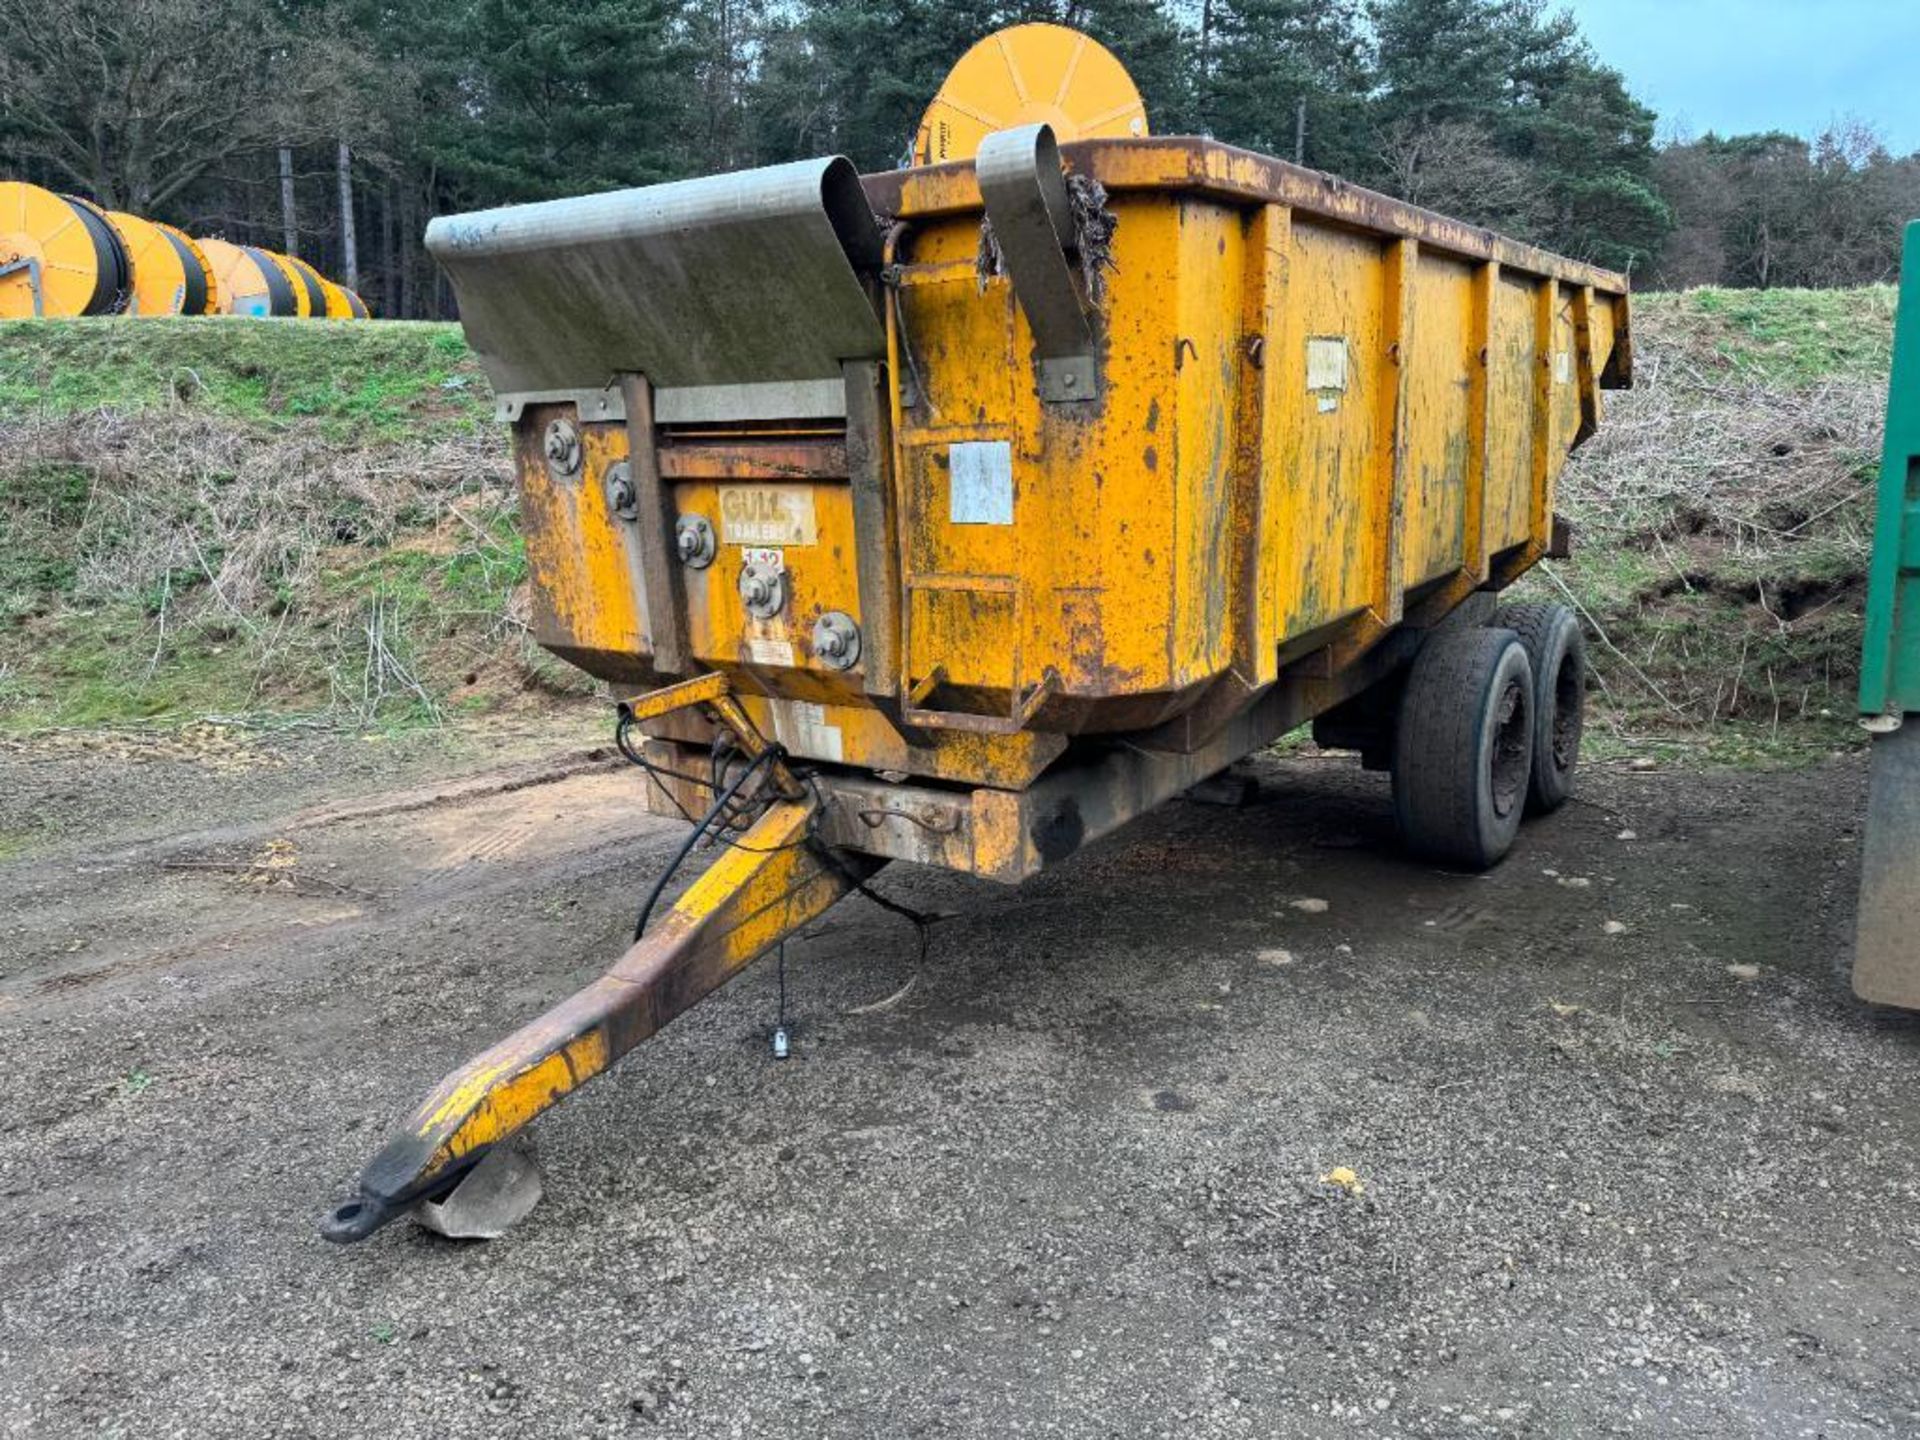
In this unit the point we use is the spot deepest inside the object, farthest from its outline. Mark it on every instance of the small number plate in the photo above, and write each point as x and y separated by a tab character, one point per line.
765	557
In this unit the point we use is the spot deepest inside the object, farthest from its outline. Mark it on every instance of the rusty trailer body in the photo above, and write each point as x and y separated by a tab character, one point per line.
960	514
1313	417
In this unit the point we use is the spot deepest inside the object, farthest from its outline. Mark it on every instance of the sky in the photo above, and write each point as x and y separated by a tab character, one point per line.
1736	66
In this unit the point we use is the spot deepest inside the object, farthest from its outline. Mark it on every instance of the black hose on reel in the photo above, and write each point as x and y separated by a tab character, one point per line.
113	271
280	299
193	298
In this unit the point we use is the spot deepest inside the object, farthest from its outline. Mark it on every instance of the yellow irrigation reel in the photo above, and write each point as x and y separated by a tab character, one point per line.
242	290
1029	75
193	257
300	306
338	306
58	256
250	282
61	255
342	303
313	286
168	277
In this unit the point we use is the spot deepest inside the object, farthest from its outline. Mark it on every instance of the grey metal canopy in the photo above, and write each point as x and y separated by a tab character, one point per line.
735	295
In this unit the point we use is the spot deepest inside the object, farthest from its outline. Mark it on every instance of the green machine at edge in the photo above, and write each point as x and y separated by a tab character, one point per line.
1886	962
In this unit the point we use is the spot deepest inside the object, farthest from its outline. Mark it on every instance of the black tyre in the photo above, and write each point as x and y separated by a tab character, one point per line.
1558	652
1463	747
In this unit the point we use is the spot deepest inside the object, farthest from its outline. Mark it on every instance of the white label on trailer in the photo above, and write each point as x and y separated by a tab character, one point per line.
981	472
767	515
764	650
1562	366
802	727
1327	366
764	557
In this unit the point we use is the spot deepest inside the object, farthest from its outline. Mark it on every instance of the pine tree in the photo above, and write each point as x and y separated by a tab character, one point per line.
1517	95
564	98
1267	58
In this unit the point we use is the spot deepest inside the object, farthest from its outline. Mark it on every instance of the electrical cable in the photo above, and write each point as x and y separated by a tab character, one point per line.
709	783
624	745
753	768
921	921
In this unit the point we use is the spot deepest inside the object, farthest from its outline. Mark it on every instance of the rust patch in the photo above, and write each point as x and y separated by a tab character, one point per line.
823	458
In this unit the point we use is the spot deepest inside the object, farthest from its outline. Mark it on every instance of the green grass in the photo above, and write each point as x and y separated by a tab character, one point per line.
107	665
359	379
375	544
1720	518
476	576
42	503
1794	337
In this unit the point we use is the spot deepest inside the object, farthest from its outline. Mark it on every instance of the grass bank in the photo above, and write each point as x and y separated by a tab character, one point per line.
234	518
1724	519
224	517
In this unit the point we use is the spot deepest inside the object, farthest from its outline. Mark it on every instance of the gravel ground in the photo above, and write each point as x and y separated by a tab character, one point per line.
1620	1155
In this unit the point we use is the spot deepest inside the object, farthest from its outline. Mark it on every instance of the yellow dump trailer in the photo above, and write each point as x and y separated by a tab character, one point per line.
960	514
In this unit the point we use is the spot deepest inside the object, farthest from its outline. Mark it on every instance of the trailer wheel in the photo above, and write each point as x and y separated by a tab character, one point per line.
1558	652
1463	748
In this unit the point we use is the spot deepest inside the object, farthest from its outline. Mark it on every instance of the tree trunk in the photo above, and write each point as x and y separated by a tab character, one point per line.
349	250
289	232
389	257
409	207
1206	66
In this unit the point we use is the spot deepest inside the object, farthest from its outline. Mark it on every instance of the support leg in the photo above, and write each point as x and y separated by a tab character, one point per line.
1886	956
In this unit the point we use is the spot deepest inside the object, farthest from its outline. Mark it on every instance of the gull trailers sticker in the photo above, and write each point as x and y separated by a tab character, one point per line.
771	515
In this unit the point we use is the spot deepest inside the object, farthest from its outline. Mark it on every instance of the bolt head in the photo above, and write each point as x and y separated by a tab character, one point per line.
693	540
562	447
836	640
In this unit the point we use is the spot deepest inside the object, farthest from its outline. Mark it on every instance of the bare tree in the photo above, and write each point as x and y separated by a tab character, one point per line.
1456	168
1704	197
1857	202
135	100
